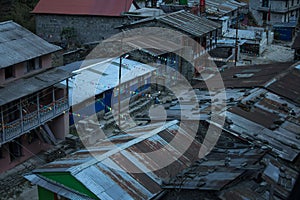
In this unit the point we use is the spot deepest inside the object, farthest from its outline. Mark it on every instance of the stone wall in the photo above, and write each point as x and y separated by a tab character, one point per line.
84	29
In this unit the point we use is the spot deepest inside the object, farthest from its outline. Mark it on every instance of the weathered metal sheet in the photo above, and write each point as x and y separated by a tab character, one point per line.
189	23
111	175
86	7
58	189
218	169
23	87
17	44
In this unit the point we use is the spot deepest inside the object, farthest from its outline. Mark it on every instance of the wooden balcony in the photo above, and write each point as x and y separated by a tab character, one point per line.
30	121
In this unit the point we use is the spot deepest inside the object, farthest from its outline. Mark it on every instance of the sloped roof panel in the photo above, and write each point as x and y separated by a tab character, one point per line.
83	7
17	44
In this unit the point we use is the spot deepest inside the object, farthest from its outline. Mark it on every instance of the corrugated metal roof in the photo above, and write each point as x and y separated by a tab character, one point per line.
267	118
58	189
113	174
276	182
260	75
153	45
212	172
99	77
288	86
183	21
189	23
17	44
25	86
87	7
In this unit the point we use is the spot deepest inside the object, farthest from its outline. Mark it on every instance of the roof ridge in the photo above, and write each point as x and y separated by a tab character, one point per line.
79	168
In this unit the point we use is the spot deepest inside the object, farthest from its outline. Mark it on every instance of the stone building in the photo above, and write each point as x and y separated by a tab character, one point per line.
33	102
193	30
277	11
62	22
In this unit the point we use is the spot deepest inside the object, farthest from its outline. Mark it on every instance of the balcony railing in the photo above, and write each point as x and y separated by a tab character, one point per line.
279	9
13	129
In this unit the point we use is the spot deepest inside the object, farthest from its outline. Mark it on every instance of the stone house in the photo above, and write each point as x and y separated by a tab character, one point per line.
62	22
277	11
33	103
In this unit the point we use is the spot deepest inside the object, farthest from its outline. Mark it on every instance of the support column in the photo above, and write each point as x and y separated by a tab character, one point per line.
2	124
53	99
67	92
21	115
38	107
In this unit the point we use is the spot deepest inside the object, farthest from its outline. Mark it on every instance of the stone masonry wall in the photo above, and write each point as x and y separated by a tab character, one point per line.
87	28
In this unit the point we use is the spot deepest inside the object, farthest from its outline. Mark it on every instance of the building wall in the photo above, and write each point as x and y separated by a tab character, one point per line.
60	126
28	151
280	11
20	69
185	68
86	28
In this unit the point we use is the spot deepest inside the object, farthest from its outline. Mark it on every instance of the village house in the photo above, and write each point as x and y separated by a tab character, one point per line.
277	11
255	157
95	88
33	101
81	176
205	32
63	22
225	11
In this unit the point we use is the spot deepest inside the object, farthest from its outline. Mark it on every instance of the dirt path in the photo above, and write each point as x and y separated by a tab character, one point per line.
273	53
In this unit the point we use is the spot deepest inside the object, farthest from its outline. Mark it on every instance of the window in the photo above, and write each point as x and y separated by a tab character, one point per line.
286	3
265	3
9	72
34	64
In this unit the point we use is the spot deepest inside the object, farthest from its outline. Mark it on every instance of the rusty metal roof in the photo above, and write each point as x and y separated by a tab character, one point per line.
118	182
17	44
216	170
276	181
87	7
288	86
269	119
249	76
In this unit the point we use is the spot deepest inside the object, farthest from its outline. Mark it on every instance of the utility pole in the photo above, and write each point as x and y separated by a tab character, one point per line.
236	37
119	93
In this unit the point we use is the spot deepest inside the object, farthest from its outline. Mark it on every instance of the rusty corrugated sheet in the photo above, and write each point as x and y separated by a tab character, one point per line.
217	169
259	75
288	86
111	175
83	7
